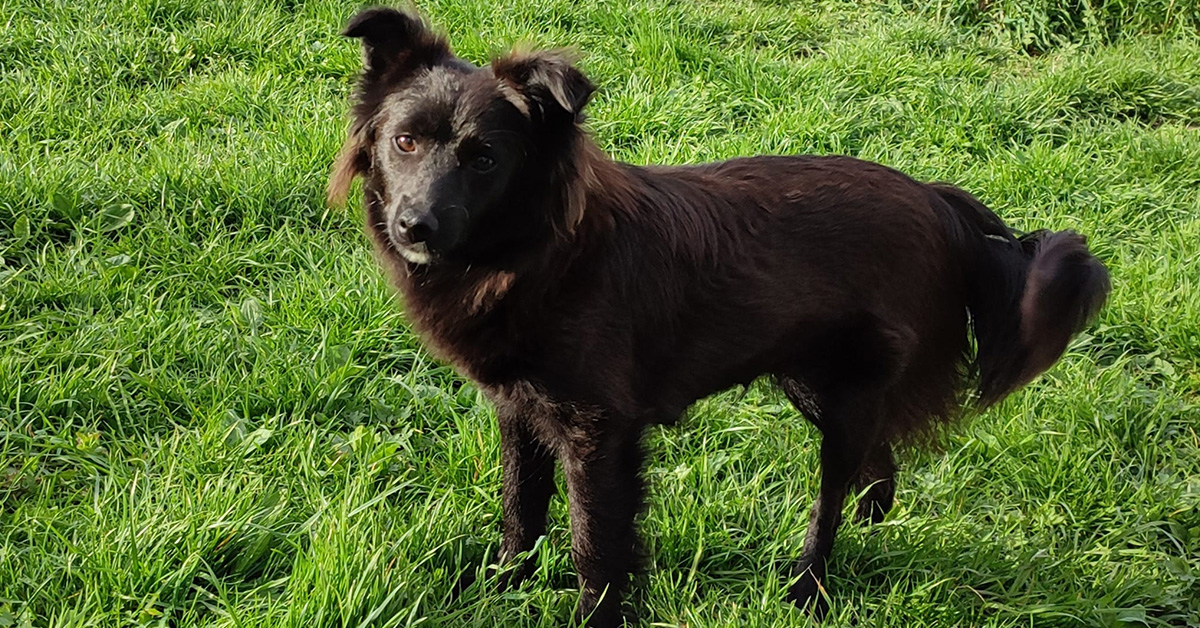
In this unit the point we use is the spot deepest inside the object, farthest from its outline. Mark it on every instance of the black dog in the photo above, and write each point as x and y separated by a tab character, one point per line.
590	298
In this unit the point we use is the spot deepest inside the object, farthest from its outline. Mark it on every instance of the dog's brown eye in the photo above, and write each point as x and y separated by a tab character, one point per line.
483	163
406	143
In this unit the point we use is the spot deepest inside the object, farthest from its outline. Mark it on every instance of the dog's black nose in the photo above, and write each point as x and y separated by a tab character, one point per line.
417	228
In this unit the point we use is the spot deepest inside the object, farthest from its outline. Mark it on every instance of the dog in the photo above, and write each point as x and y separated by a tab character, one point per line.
590	299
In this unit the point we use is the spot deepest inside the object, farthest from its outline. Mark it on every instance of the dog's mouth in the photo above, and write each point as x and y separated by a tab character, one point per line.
412	252
415	253
424	243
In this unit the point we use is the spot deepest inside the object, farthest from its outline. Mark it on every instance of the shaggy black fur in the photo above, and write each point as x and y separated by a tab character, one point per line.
591	298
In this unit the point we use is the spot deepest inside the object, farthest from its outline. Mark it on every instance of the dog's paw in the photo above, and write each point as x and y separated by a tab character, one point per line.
500	578
875	503
466	580
869	511
808	594
512	575
602	612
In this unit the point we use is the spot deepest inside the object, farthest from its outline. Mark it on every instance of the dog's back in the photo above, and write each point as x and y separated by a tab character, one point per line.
788	265
779	265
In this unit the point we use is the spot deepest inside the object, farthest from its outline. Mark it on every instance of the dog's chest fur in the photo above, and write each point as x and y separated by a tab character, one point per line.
468	320
524	343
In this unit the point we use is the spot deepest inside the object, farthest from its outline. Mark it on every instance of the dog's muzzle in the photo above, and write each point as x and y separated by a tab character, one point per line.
416	228
411	233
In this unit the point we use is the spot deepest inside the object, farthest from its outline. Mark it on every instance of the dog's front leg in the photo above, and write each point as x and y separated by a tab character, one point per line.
528	485
604	488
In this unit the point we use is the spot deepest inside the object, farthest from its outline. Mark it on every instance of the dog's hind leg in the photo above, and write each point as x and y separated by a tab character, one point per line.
843	395
802	397
848	428
877	475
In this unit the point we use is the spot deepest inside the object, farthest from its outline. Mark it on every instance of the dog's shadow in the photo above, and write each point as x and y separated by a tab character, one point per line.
967	571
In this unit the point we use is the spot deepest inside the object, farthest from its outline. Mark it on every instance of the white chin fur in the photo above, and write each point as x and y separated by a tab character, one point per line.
415	254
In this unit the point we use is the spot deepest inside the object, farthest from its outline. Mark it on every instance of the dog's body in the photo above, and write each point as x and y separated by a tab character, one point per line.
590	299
695	279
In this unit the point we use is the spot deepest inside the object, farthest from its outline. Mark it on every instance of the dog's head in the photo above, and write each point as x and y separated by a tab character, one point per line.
456	159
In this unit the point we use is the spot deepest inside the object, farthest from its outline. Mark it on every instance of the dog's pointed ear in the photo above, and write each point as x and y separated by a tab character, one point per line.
395	41
396	45
546	80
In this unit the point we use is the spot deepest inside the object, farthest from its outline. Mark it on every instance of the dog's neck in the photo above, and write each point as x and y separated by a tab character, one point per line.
456	306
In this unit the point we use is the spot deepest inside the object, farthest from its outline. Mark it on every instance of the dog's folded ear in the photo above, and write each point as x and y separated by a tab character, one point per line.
546	80
351	161
395	43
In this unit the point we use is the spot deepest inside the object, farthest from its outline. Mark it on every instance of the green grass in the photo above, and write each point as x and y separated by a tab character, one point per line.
212	412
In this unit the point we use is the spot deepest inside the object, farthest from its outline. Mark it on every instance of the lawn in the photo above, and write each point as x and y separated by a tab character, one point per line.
212	412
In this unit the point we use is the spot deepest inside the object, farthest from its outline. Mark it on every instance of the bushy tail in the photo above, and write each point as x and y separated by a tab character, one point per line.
1027	295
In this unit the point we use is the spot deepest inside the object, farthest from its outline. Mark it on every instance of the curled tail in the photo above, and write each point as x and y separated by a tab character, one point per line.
1027	295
